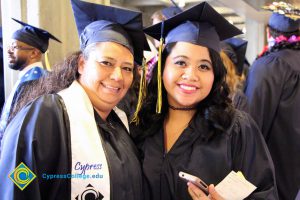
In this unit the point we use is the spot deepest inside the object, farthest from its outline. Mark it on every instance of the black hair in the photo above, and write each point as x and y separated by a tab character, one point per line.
283	44
275	33
216	108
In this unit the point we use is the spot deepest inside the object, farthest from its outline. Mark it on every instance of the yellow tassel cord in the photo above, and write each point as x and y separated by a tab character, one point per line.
159	78
142	92
47	63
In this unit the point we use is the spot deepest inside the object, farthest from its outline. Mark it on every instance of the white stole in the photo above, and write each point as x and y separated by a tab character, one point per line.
88	156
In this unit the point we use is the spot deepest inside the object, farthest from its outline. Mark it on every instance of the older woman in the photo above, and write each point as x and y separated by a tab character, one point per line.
71	138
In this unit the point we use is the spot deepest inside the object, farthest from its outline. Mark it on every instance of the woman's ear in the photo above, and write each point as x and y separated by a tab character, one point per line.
81	64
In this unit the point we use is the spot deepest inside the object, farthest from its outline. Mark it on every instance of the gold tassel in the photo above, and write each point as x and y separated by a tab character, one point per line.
47	63
142	92
159	78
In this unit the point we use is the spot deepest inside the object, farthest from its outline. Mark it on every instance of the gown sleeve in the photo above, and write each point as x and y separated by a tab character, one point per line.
251	156
263	90
38	136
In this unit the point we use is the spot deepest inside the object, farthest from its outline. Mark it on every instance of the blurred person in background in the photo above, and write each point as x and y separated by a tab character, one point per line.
273	91
233	56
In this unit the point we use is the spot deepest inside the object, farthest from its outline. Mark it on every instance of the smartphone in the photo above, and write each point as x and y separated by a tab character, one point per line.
195	180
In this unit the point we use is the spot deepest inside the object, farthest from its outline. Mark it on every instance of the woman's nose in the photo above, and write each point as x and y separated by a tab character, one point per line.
117	74
190	74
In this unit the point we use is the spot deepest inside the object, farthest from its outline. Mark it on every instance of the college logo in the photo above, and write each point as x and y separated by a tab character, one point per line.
90	194
22	176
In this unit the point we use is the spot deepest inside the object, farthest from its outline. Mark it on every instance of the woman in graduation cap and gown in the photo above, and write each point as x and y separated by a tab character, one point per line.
74	131
194	128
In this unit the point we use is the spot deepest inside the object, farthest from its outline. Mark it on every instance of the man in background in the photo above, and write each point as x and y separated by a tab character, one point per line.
25	55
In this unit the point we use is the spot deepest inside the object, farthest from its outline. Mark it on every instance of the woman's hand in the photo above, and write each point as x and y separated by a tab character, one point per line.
198	194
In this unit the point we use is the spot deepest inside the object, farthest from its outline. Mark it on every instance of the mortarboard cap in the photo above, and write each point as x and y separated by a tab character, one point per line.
171	11
282	23
235	49
200	25
100	23
33	36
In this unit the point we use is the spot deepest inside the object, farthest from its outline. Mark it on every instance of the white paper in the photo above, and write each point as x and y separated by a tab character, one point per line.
234	187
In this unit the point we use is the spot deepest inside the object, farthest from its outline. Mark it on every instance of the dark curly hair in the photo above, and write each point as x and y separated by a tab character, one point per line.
283	44
216	108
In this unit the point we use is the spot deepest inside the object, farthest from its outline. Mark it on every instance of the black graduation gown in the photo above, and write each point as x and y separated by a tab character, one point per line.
239	101
129	102
26	80
273	91
39	136
210	157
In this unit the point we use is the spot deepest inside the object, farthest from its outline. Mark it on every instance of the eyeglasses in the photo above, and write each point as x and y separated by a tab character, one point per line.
13	48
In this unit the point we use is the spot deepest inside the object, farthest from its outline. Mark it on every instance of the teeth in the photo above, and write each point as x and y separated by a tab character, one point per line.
185	87
110	87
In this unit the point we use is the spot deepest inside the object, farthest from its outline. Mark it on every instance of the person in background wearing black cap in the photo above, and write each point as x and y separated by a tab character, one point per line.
233	57
273	91
74	131
25	55
235	49
194	128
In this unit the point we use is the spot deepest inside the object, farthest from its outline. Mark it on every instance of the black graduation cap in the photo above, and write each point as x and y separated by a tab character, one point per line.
282	23
235	49
200	25
33	36
171	11
100	23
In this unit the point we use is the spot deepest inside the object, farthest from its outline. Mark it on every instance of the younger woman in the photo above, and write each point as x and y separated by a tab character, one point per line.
197	130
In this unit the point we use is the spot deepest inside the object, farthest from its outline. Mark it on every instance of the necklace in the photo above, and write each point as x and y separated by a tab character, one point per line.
182	108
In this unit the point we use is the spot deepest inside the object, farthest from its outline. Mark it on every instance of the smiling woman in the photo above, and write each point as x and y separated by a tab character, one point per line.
106	73
188	78
198	131
70	125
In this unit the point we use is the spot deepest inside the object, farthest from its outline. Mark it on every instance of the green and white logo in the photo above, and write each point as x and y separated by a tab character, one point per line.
22	176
